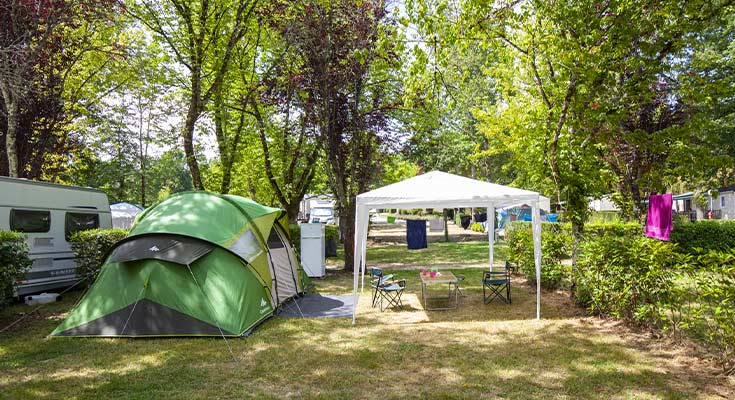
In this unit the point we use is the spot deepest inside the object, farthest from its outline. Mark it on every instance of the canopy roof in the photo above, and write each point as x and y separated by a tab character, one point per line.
438	189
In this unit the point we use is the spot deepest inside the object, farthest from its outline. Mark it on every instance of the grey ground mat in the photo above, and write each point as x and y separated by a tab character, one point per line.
319	306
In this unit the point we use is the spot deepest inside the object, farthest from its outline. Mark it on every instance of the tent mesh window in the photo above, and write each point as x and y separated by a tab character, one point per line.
246	246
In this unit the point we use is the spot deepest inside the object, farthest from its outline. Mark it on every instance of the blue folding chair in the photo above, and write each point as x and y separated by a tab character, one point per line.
494	283
386	293
377	280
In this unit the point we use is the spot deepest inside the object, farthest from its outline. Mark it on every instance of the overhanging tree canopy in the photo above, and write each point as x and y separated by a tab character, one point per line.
438	189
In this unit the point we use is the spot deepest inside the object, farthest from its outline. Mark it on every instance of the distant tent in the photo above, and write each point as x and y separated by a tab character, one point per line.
195	264
123	214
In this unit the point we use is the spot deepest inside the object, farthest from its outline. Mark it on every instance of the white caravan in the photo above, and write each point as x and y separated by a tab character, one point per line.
48	214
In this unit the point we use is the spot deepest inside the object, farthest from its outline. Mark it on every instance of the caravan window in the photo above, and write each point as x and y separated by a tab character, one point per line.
30	221
76	222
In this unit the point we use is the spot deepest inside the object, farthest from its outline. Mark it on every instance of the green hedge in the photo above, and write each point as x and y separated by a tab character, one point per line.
14	263
706	235
90	247
556	244
615	229
627	277
704	302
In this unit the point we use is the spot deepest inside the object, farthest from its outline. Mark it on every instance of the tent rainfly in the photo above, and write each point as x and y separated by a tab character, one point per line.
195	264
438	189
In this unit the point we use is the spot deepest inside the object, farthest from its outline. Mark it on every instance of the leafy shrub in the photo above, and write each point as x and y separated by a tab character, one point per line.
704	303
90	248
555	247
612	229
331	232
707	235
627	277
475	227
295	231
14	263
603	217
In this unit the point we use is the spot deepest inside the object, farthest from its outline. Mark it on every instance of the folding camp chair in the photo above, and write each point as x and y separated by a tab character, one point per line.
494	283
377	280
460	279
391	293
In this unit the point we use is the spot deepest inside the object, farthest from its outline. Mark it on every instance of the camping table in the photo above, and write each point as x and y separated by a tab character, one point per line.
440	278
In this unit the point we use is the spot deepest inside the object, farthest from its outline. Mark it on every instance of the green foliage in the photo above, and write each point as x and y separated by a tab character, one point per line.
613	229
90	249
295	232
14	262
396	169
705	302
708	235
604	217
555	244
331	232
627	277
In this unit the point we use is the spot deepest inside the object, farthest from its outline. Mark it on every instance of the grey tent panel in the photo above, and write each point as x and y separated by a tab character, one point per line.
282	266
177	249
145	318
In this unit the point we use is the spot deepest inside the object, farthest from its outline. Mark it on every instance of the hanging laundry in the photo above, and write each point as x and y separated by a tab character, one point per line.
416	234
659	224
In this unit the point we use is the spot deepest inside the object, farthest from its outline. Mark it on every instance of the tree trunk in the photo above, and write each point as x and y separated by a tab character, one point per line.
11	149
446	226
292	210
347	231
188	136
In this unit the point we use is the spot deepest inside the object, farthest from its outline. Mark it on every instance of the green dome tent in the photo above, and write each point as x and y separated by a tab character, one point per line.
195	264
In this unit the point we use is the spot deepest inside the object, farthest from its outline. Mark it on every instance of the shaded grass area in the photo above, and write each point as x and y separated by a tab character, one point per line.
476	351
436	254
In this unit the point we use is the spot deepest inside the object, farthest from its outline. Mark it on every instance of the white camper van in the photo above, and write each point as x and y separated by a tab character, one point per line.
48	214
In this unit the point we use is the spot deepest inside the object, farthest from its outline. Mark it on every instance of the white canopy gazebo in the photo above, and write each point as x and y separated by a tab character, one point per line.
438	189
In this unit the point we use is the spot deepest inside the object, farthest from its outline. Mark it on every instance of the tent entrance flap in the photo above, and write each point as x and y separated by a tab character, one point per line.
282	267
174	248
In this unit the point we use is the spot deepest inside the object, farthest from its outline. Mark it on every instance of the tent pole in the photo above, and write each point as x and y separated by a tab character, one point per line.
363	257
536	222
491	233
355	284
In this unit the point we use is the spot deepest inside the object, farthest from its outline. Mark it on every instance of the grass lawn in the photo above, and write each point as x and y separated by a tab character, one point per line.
478	351
443	254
